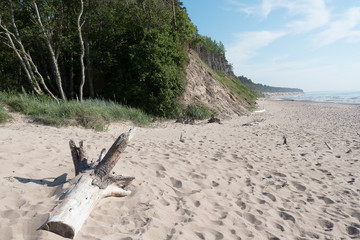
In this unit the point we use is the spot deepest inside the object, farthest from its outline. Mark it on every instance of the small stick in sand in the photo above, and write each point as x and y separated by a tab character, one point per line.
285	141
328	146
181	138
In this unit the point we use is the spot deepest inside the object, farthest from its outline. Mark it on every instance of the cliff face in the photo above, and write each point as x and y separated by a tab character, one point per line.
203	87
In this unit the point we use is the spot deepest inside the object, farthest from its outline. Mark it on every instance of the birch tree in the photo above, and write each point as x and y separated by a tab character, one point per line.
54	63
79	25
28	65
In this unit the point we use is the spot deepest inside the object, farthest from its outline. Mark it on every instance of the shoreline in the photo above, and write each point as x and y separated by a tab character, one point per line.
352	98
225	181
308	101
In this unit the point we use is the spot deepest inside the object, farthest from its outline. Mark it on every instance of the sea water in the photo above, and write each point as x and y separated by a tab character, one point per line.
333	97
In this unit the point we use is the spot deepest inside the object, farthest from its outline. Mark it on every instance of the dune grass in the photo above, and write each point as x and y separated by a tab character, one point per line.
198	111
93	114
4	116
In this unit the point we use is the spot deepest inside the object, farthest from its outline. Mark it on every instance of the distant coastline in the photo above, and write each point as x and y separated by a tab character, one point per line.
323	96
280	94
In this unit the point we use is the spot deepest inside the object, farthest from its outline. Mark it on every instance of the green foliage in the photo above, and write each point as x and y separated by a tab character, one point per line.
185	28
198	111
10	77
93	114
4	116
137	56
155	78
148	70
137	52
211	46
236	87
260	88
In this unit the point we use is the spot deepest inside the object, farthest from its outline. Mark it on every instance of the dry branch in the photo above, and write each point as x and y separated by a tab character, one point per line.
104	168
329	147
89	186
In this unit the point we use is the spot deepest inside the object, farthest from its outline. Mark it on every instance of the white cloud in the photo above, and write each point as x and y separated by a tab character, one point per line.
312	22
312	13
248	43
341	29
241	7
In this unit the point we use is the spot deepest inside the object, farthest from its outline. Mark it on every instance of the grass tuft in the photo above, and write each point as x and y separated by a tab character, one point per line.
93	114
197	111
4	116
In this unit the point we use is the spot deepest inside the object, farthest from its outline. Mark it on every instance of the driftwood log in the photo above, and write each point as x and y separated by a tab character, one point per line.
91	183
213	119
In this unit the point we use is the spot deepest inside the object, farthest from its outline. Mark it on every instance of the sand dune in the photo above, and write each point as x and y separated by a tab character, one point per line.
235	180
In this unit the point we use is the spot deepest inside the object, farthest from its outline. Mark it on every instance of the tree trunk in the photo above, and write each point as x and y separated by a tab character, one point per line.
81	89
54	62
88	187
174	14
69	216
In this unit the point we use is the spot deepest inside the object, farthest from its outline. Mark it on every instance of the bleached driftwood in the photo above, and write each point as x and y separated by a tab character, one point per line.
89	186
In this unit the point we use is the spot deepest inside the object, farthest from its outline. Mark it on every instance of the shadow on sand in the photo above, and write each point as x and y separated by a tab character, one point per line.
50	182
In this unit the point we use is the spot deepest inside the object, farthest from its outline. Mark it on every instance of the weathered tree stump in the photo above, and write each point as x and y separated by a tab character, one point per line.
89	186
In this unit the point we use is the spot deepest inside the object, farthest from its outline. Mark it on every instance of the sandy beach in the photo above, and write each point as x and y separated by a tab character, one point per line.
235	180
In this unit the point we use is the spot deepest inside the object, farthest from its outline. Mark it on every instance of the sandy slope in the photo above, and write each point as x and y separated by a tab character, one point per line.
228	181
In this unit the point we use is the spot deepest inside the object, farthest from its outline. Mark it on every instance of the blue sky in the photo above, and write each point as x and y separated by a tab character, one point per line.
309	44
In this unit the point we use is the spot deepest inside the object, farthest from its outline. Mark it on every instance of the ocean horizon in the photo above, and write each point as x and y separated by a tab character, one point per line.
351	97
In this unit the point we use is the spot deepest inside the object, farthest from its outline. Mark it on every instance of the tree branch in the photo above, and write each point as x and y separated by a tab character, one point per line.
79	157
103	169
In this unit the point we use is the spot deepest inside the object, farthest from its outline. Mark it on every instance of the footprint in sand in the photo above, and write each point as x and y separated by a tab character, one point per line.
327	225
200	235
224	215
269	195
356	214
159	175
278	226
252	219
176	183
274	238
287	216
298	186
241	204
159	167
214	184
310	199
353	230
164	202
197	203
326	200
219	236
248	182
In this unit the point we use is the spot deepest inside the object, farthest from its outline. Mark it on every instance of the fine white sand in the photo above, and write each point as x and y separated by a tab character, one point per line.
235	180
